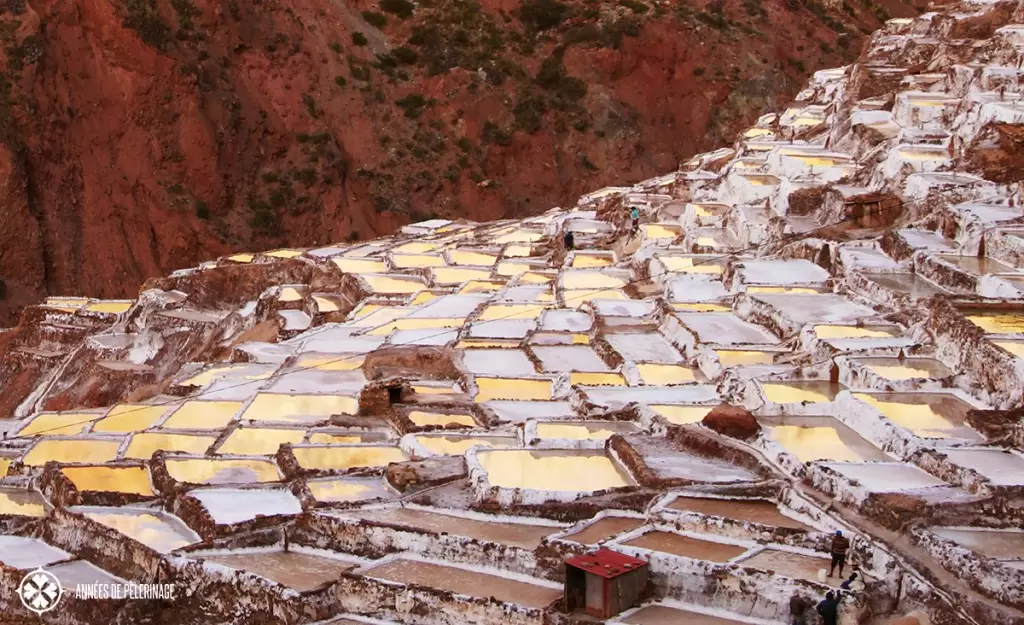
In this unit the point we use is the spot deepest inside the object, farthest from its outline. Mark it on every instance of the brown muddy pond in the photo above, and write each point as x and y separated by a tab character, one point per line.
604	529
295	570
515	534
749	510
795	565
687	546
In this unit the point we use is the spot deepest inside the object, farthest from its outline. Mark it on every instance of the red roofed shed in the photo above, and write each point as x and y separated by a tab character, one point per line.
604	583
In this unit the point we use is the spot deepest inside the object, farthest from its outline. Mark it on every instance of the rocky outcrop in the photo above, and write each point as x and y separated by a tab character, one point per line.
734	421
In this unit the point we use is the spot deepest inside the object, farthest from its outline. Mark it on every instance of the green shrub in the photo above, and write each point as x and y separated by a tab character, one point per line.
340	81
359	39
144	19
335	46
541	15
465	144
492	133
3	289
698	71
634	6
401	8
375	19
405	55
412	104
202	210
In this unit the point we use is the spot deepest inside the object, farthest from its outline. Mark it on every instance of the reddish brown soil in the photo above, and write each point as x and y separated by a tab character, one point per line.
138	140
734	421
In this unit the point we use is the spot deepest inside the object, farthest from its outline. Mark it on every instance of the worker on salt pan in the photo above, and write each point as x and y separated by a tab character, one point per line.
569	240
840	545
829	607
634	214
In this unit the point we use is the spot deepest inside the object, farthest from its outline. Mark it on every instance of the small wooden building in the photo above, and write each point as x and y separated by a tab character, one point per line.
604	583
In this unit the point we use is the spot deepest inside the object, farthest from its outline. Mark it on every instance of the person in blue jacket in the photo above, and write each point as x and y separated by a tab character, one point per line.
829	608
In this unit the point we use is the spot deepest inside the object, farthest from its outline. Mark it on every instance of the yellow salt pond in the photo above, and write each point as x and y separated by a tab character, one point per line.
325	438
213	373
591	280
519	236
417	323
664	375
510	311
360	265
998	323
337	457
128	480
701	307
241	258
72	451
330	362
552	470
535	277
589	378
203	415
517	251
222	471
512	268
5	463
573	431
481	286
112	307
512	388
431	389
471	258
283	253
415	261
590	260
145	444
809	444
372	315
686	264
458	275
281	407
424	419
147	528
325	305
740	358
125	418
415	247
386	284
338	490
289	294
1014	347
921	419
21	503
659	231
259	441
681	415
486	343
783	289
56	423
849	332
454	446
797	393
422	298
578	297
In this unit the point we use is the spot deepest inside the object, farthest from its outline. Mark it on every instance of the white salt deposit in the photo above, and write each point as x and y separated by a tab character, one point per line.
23	553
228	506
885	477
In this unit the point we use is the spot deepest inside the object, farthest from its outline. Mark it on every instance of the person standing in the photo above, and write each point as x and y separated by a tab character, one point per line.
635	216
840	545
798	607
829	608
569	240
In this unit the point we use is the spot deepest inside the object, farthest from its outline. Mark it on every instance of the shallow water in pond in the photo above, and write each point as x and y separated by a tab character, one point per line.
604	528
131	480
157	532
687	546
790	564
750	510
552	470
300	571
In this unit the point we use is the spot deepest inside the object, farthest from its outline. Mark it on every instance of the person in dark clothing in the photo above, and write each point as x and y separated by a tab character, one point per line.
829	608
634	215
849	581
569	240
840	545
798	607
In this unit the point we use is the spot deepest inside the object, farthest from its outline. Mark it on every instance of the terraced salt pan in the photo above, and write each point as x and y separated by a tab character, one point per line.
744	358
787	563
686	546
498	362
726	329
511	389
203	415
58	423
130	418
143	445
465	582
342	457
603	529
552	470
804	309
72	451
582	430
912	284
997	323
348	489
25	554
157	530
996	544
458	445
749	510
228	506
503	329
813	438
222	471
680	414
664	615
298	408
637	347
615	398
668	462
801	391
518	411
827	331
928	415
425	418
905	368
564	358
449	307
107	479
259	441
299	571
1001	467
526	536
886	477
781	272
27	503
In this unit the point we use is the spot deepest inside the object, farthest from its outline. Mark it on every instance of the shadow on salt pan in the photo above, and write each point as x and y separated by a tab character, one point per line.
157	530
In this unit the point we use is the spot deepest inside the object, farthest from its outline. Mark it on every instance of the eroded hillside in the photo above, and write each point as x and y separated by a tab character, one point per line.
147	135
